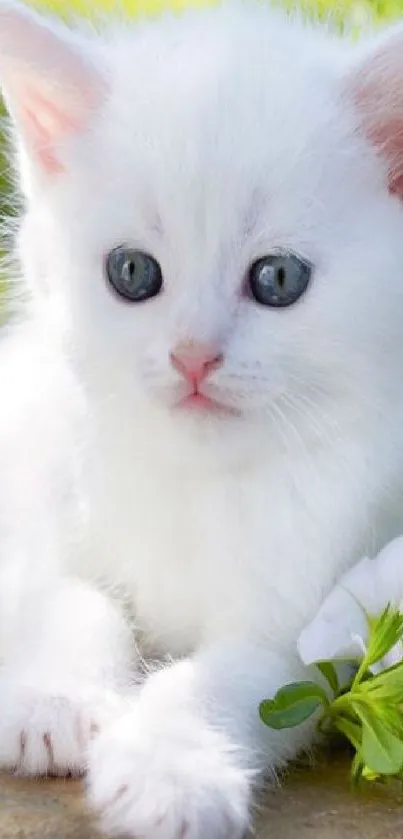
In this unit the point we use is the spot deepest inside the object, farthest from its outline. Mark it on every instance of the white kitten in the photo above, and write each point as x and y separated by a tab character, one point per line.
201	418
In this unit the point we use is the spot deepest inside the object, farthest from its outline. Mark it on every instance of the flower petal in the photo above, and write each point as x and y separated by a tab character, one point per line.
325	639
340	622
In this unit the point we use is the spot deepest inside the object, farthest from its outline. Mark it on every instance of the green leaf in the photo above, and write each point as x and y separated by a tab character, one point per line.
329	672
387	714
288	717
292	705
351	730
387	685
381	750
385	630
357	768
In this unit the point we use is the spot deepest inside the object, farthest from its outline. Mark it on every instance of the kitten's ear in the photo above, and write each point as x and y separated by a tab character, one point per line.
376	86
49	84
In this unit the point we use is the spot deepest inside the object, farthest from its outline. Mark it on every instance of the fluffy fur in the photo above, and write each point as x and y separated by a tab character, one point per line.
131	530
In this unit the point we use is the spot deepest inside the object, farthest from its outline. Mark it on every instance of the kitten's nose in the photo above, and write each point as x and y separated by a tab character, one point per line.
194	360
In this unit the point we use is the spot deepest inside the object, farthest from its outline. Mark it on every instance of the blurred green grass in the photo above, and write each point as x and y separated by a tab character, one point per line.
342	11
347	15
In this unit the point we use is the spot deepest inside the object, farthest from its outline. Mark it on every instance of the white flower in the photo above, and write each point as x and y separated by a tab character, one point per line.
340	630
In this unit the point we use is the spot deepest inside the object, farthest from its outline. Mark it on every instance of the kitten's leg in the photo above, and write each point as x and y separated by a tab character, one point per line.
61	678
184	760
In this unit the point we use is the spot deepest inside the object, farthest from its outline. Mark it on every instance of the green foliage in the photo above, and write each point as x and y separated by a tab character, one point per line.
368	711
351	13
292	704
330	674
385	631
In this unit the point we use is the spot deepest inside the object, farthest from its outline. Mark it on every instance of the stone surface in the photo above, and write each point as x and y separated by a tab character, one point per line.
313	803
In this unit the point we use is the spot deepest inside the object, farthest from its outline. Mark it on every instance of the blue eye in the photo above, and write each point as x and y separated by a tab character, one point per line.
134	275
279	279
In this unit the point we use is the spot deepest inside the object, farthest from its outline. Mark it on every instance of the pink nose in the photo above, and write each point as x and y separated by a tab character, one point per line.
194	361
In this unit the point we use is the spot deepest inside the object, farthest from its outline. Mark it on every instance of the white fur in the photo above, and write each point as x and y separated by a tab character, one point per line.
129	530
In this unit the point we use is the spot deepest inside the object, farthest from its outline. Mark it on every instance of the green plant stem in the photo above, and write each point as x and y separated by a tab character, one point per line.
359	674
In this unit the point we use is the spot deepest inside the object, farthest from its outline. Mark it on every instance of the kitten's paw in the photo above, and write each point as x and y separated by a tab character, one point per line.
157	779
47	732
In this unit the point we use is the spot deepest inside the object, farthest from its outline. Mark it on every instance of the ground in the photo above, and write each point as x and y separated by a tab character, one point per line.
313	803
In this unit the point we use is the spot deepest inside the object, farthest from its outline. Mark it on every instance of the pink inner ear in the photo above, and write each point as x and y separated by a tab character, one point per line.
388	138
50	84
378	95
45	124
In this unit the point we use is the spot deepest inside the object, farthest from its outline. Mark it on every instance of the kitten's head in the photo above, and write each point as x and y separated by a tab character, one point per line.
213	206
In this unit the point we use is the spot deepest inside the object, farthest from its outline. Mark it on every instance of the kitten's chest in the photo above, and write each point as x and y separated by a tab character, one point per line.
176	549
211	556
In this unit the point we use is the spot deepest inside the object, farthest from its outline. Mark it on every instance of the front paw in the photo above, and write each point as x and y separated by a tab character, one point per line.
45	730
164	779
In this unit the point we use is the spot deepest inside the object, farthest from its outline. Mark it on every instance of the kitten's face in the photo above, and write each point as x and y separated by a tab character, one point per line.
215	151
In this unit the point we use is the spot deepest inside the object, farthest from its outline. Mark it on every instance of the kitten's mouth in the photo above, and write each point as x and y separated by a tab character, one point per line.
200	403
